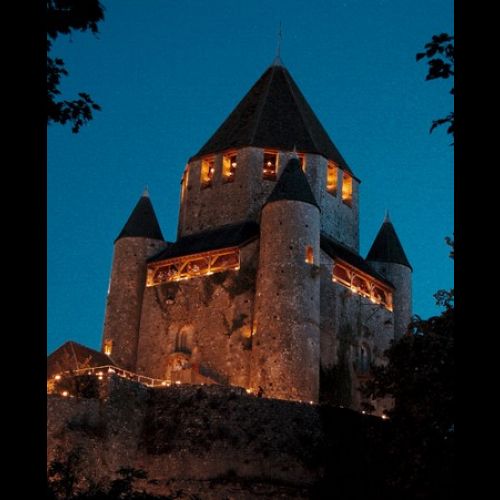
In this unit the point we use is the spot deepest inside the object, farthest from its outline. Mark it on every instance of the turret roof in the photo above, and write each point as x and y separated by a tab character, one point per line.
142	222
387	247
292	185
274	114
229	235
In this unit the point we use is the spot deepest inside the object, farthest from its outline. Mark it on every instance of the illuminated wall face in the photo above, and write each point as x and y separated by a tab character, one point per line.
193	266
347	189
362	284
207	171
229	165
332	178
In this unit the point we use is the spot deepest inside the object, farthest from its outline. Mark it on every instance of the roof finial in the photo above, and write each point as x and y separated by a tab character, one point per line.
386	217
146	191
294	152
277	59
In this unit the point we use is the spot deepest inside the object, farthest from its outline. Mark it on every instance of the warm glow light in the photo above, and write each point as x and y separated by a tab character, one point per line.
58	377
164	383
385	417
178	382
100	377
249	391
65	393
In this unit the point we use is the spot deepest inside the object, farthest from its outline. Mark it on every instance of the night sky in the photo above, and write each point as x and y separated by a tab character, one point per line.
167	73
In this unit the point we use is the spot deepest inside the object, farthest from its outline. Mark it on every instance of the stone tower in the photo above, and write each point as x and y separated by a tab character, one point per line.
387	256
264	287
286	336
140	238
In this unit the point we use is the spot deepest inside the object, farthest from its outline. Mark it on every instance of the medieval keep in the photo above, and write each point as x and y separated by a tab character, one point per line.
264	288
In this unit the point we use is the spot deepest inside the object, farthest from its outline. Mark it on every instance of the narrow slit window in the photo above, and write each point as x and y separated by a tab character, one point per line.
269	168
309	254
332	178
302	161
108	347
207	172
347	189
229	164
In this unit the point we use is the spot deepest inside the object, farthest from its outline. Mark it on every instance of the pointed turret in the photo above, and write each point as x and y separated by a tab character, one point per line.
386	247
388	258
285	349
142	222
293	185
139	239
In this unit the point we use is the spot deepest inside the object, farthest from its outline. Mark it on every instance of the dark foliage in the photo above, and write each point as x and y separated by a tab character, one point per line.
64	17
440	52
420	377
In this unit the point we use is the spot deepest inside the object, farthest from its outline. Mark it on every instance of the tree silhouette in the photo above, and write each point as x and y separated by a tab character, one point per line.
440	52
64	17
420	377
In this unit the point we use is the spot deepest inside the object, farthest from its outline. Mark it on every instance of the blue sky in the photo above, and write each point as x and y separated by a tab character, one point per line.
167	73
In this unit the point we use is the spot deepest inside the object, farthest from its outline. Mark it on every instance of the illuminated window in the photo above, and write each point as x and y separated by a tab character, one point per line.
207	171
302	161
347	189
184	183
108	346
270	165
341	274
360	285
332	178
309	255
229	165
192	266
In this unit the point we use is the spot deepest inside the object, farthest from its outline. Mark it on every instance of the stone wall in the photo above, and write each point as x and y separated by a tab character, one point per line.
201	208
348	323
215	442
213	314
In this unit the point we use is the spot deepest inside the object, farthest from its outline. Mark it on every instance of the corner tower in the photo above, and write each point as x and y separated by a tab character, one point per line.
242	161
387	257
139	239
286	331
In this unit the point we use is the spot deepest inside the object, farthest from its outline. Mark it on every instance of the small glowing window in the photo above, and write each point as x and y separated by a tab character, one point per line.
229	164
302	161
184	183
332	178
270	165
108	347
207	171
347	189
309	254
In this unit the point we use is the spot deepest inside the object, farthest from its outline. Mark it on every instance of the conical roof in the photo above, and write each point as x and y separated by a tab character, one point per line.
142	222
292	185
387	247
274	114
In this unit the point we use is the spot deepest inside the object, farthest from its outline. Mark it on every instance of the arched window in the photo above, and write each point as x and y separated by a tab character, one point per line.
364	359
181	342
